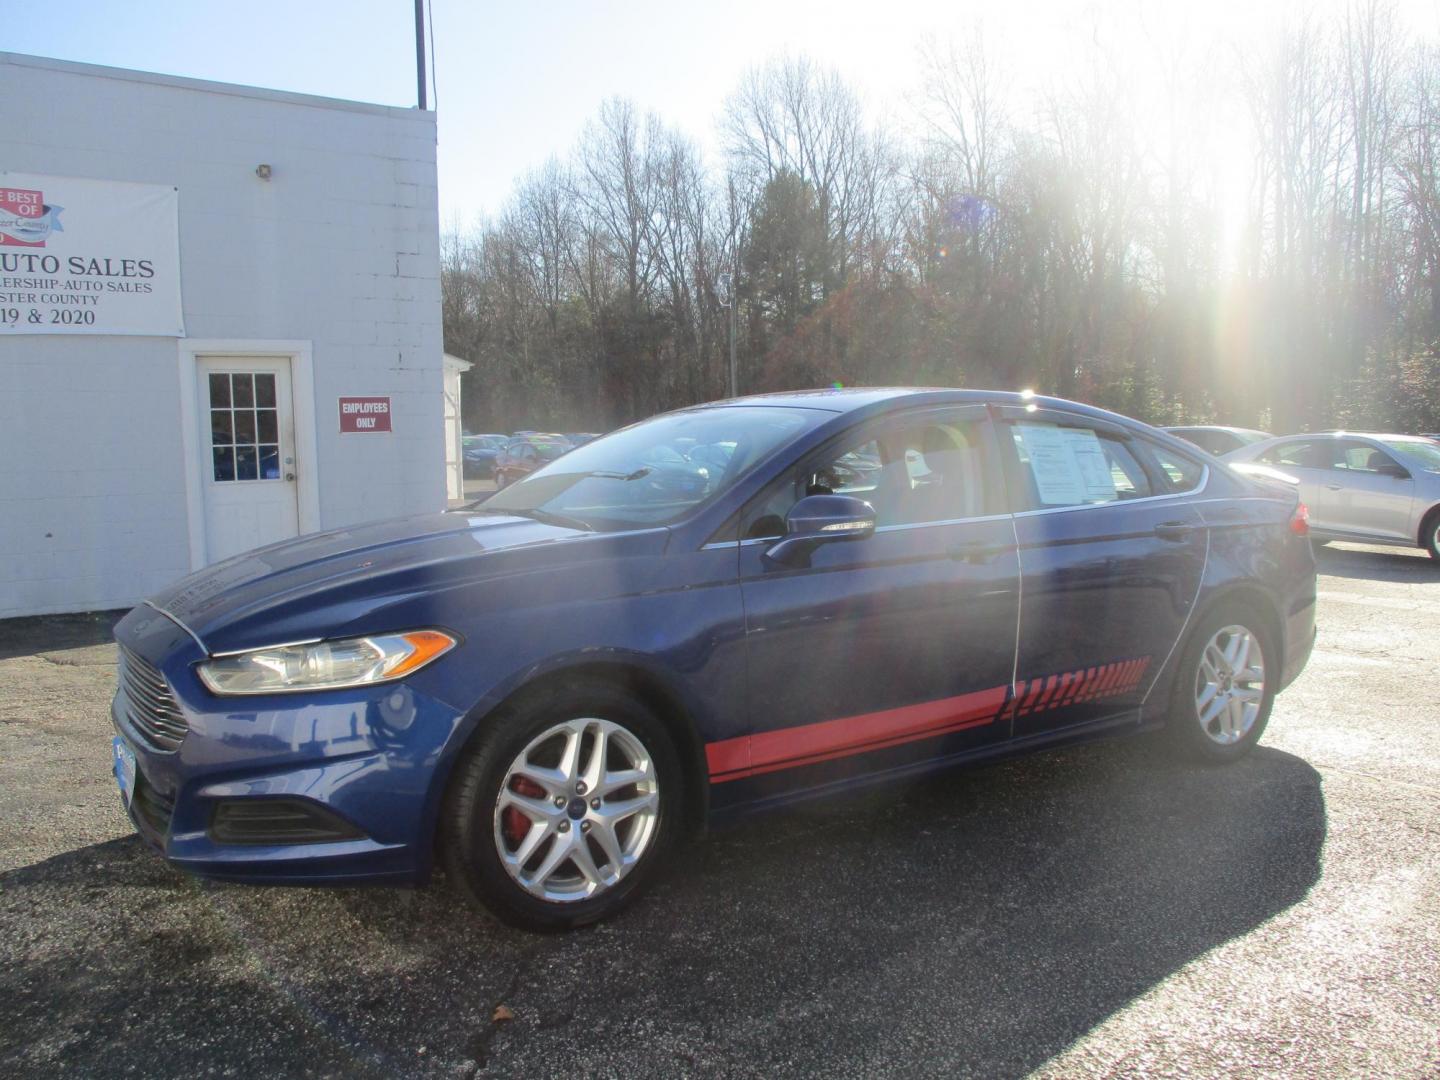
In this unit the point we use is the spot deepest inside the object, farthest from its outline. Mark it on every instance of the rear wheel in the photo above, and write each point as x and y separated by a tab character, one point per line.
563	808
1226	685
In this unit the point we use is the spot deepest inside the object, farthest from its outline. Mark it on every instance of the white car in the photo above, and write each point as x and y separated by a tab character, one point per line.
1373	489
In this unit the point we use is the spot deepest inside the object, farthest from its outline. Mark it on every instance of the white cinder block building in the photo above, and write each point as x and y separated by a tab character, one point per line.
219	326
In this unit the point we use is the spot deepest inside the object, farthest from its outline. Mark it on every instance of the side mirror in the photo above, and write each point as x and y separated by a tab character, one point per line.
818	519
1391	468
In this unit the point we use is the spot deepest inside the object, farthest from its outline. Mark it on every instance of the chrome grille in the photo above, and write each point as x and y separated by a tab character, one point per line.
148	703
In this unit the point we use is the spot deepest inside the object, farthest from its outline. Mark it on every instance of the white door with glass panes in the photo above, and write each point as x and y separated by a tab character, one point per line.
247	442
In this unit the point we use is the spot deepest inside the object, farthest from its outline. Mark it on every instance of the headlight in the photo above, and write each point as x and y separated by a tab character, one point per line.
325	665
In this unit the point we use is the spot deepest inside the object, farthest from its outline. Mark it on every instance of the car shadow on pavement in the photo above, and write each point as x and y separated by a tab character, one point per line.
976	923
34	634
1377	563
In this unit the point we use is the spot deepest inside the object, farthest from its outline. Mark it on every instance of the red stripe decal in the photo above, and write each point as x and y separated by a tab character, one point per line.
1038	687
728	755
1067	681
1082	680
1132	677
811	743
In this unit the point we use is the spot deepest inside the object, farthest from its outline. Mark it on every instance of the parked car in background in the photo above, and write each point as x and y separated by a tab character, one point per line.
580	438
549	691
1253	470
480	452
1370	488
521	456
1216	439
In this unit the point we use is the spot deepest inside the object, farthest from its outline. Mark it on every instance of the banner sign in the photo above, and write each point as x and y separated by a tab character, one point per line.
88	257
364	414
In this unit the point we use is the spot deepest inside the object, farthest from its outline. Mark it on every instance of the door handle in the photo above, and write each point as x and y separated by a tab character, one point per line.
1334	487
975	551
1174	531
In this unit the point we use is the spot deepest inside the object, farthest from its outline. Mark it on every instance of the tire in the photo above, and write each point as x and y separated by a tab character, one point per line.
555	886
1430	535
1233	732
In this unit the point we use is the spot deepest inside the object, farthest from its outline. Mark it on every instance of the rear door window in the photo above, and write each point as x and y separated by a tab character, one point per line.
1075	465
1352	455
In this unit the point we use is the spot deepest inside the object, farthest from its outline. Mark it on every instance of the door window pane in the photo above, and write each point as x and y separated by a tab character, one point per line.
242	389
244	426
1180	473
1301	455
1356	456
244	438
1075	465
934	471
926	470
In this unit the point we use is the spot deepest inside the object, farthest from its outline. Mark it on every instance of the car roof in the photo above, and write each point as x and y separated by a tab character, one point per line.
1395	437
853	399
1216	427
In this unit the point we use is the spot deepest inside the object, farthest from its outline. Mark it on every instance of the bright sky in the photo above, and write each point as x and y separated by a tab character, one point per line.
516	82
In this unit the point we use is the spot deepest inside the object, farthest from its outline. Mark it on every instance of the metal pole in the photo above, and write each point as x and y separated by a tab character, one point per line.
735	386
420	50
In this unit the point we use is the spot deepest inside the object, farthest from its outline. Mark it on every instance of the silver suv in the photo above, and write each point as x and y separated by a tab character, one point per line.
1375	489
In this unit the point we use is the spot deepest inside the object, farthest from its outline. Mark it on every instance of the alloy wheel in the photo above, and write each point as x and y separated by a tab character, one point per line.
1230	685
577	810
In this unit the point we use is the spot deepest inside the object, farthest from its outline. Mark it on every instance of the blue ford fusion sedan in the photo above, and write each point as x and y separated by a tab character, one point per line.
547	691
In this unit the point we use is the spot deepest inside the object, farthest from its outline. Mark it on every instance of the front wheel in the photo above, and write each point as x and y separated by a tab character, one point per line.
1226	686
563	807
1431	535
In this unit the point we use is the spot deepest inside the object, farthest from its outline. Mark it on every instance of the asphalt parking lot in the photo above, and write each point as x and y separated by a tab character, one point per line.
1098	911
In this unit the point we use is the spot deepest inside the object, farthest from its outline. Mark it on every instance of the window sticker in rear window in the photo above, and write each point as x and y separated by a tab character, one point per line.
1069	464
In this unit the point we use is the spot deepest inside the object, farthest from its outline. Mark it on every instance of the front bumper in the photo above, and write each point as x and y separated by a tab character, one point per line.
367	758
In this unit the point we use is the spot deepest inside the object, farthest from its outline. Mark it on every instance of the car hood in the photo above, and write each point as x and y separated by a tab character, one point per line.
319	585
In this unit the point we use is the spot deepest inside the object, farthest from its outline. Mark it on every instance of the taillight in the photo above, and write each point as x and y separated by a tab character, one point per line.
1300	520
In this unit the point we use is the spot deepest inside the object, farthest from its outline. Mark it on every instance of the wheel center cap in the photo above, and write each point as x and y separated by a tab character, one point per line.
575	809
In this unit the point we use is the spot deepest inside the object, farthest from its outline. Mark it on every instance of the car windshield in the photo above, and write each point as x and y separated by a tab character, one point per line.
657	471
1421	452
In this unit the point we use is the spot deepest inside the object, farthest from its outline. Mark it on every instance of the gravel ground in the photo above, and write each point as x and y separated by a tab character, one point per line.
1096	911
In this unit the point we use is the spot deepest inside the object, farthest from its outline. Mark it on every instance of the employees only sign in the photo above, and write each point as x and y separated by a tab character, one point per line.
358	414
88	257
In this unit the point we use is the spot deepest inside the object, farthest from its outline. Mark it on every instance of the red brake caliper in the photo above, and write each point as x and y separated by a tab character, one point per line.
514	822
